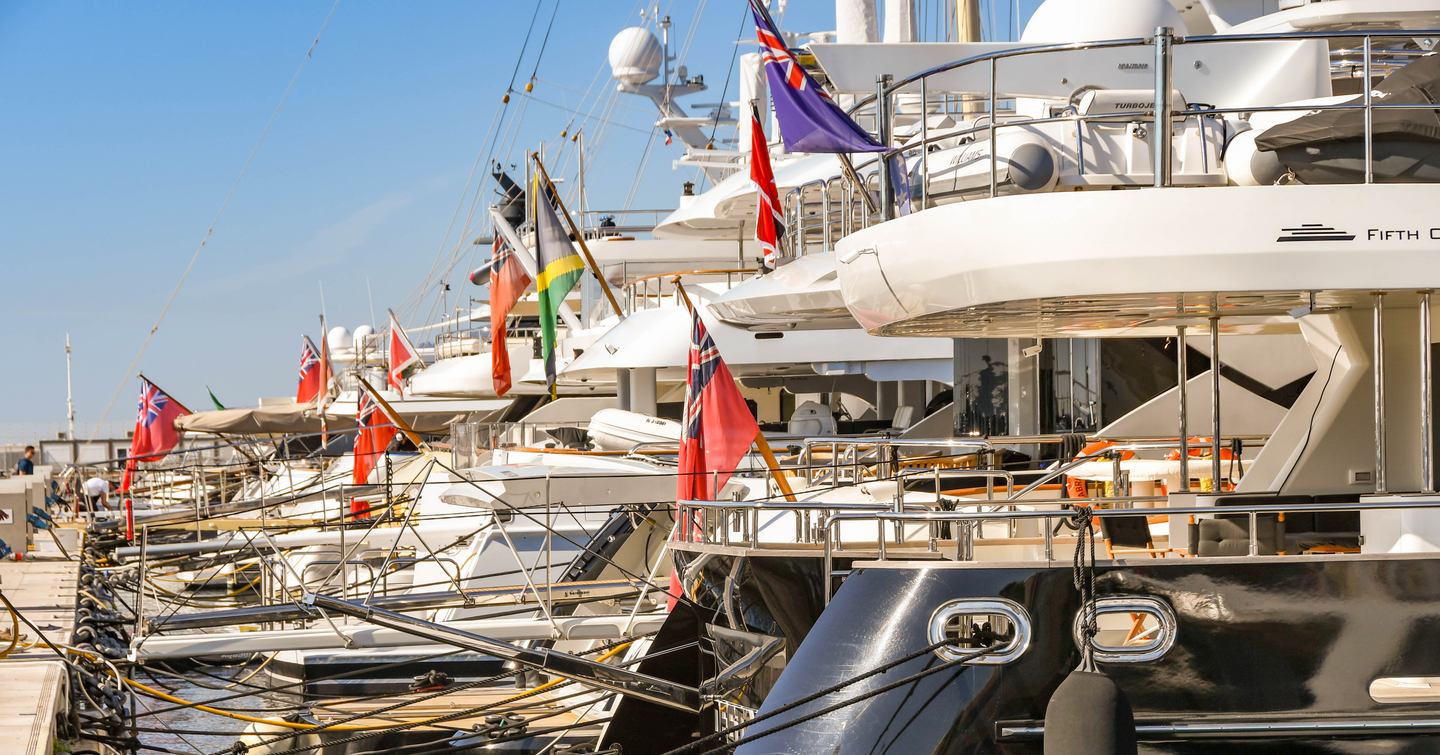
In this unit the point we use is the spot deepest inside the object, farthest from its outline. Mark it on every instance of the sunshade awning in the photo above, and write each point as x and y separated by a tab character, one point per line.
283	419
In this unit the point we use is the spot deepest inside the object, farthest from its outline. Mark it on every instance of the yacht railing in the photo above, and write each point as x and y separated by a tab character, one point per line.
1118	507
599	224
852	459
1372	60
652	291
458	343
738	523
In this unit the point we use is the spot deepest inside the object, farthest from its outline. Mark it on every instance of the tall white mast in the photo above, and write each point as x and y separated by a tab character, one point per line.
69	392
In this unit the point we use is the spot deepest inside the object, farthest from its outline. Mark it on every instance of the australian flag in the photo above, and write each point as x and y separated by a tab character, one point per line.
809	120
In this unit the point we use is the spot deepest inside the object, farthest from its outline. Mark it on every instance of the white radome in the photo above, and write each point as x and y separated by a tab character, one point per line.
635	56
338	338
1091	20
357	338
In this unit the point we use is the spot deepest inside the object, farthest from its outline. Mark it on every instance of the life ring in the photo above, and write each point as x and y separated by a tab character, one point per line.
1200	449
1074	486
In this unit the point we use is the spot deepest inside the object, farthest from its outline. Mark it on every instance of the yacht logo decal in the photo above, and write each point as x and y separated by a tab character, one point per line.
1314	232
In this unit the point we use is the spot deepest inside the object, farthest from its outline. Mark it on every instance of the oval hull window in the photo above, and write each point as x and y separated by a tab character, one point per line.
1132	629
988	631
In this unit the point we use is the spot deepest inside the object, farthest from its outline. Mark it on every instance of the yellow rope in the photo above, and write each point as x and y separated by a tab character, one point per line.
14	630
151	691
169	698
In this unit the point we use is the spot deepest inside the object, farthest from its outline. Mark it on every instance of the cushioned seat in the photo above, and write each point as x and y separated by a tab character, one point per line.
1229	534
1310	529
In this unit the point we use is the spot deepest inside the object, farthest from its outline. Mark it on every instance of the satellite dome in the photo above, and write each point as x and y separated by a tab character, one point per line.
1091	20
635	55
360	334
338	338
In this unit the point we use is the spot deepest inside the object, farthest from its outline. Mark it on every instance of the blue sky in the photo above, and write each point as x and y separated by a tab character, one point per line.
126	123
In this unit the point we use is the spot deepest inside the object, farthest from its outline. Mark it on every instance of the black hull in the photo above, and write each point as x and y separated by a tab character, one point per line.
1270	655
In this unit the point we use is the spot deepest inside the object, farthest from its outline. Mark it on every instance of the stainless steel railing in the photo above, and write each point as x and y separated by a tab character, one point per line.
1363	56
1120	507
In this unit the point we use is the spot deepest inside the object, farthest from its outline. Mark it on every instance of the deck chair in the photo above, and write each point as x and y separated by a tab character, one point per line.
1130	534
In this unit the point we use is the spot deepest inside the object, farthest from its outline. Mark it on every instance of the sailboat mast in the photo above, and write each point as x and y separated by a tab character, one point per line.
967	21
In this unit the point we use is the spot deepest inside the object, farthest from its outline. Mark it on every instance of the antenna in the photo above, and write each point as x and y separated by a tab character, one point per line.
370	294
69	392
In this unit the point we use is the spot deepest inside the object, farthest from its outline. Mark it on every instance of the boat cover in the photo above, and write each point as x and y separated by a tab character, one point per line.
1416	84
281	419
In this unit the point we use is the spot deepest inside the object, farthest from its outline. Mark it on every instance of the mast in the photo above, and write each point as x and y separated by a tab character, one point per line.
580	192
69	392
967	21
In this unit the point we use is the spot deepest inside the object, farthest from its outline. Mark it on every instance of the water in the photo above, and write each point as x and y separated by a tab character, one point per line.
198	731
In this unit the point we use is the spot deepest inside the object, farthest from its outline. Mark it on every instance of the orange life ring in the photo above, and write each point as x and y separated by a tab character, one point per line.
1200	449
1074	486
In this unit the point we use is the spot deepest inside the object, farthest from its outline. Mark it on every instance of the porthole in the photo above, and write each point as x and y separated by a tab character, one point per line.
998	627
1132	629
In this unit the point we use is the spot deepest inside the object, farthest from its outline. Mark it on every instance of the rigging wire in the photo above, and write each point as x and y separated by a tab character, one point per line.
530	85
215	220
523	46
729	73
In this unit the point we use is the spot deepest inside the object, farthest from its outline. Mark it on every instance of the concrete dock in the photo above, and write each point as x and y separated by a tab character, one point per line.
34	678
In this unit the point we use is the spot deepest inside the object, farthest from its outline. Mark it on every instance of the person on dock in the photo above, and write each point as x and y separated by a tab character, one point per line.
97	493
26	465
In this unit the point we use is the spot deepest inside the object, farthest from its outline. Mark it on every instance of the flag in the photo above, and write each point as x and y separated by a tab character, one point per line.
717	428
769	219
558	269
155	432
154	436
312	378
508	281
214	400
373	433
402	355
809	120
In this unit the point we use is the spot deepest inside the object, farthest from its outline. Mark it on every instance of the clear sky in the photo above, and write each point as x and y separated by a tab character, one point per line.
125	125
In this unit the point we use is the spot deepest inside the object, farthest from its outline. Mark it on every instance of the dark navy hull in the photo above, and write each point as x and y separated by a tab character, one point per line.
1270	655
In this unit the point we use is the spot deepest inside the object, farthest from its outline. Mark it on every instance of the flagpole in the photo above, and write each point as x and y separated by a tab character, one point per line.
760	442
584	248
394	416
133	465
325	368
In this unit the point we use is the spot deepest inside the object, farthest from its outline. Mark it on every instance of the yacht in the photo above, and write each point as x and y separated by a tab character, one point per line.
1233	196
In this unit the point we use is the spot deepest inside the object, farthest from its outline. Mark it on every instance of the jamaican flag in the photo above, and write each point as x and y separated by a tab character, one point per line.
558	269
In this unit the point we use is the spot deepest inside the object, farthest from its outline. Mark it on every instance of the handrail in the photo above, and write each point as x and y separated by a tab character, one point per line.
997	55
1164	41
1253	511
639	289
1258	508
683	273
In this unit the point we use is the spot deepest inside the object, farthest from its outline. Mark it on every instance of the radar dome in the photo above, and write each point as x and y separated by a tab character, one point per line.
338	338
1091	20
635	55
359	335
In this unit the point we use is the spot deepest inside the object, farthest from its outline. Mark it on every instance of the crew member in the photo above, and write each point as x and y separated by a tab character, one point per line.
26	465
97	493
